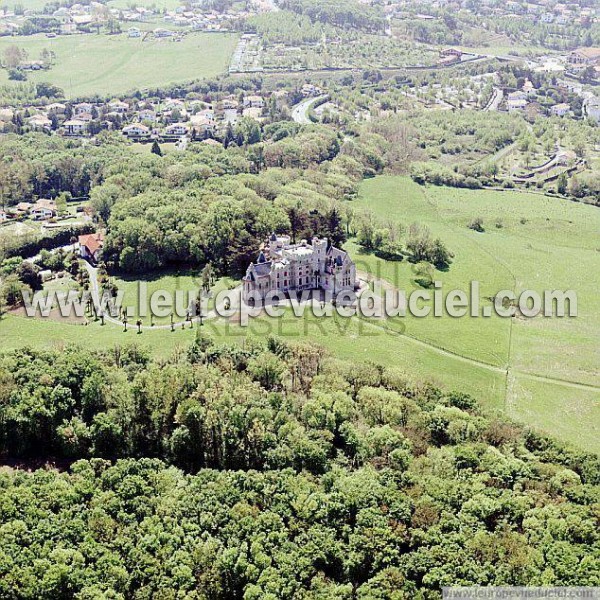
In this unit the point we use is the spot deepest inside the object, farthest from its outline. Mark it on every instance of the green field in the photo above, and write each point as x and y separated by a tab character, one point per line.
160	4
107	65
542	372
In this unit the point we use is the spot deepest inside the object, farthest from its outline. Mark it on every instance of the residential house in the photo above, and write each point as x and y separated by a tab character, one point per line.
547	17
252	112
23	208
201	123
134	32
254	102
308	90
136	130
118	107
177	129
3	217
283	267
147	115
40	122
560	110
529	89
585	56
43	210
229	103
518	95
163	33
56	108
516	104
592	108
90	246
82	108
75	127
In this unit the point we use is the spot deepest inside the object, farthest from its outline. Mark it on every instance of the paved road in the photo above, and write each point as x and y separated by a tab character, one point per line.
300	111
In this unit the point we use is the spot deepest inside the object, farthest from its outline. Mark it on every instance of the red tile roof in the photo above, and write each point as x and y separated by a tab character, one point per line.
92	241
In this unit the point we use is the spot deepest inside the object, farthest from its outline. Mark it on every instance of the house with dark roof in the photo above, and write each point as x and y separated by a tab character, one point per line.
285	267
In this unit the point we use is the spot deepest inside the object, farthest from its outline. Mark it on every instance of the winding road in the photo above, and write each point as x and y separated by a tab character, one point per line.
300	111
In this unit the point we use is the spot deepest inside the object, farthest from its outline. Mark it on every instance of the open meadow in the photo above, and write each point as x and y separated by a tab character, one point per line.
114	64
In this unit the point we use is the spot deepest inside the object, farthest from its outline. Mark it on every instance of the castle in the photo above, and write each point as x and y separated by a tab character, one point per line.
285	267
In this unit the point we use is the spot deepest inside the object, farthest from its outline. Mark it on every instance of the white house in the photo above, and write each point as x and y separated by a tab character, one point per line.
515	105
560	110
592	108
118	107
57	108
83	108
41	213
40	122
518	95
254	102
75	127
178	129
136	130
134	32
147	115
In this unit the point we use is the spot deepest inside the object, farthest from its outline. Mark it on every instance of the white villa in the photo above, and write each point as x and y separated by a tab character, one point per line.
282	266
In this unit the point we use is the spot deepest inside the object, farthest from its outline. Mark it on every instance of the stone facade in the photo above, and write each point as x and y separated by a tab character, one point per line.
285	267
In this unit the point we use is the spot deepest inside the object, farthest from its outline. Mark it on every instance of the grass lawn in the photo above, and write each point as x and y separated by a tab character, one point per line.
137	293
104	64
542	371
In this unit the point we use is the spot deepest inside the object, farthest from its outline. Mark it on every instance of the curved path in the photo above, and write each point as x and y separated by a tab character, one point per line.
300	111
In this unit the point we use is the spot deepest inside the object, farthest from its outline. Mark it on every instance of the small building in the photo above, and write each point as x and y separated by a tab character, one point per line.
254	102
516	105
147	115
177	129
560	110
118	107
56	108
517	95
90	246
75	127
83	108
136	130
585	56
450	52
23	208
252	112
41	213
163	33
229	103
3	217
134	32
40	122
592	108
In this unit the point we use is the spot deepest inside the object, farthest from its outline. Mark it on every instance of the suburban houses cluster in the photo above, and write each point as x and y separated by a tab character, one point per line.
41	210
167	119
540	11
161	119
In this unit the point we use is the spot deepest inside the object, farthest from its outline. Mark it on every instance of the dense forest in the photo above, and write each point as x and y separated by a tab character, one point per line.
274	471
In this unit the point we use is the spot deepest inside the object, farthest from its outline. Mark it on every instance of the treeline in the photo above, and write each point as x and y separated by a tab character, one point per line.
43	166
216	205
274	470
348	14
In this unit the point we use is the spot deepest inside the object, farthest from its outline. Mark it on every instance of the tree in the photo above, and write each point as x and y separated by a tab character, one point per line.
562	183
156	149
